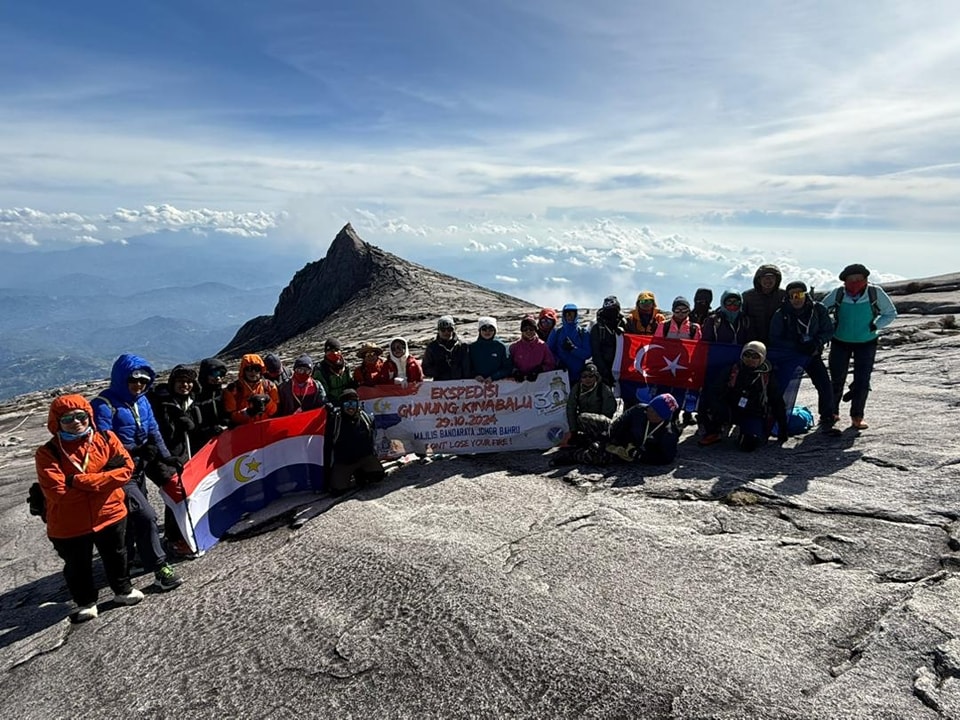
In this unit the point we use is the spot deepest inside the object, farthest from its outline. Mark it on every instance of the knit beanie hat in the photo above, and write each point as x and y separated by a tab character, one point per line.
445	322
646	295
855	269
487	320
272	363
528	322
796	285
664	405
331	345
349	394
757	347
303	361
681	302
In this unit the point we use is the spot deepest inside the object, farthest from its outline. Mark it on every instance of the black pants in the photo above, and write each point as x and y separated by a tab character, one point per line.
817	372
142	519
77	555
864	355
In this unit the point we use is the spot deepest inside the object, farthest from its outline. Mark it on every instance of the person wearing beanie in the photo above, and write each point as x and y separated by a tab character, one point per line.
369	373
570	343
530	355
546	322
332	372
488	356
301	393
860	310
763	300
727	324
645	317
645	433
445	357
352	454
610	324
211	417
804	326
401	367
702	305
752	401
680	327
274	370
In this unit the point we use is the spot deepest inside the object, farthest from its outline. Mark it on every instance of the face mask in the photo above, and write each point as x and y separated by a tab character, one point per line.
854	287
334	358
68	437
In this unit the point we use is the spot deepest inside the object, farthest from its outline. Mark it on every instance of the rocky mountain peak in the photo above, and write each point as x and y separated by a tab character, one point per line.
359	292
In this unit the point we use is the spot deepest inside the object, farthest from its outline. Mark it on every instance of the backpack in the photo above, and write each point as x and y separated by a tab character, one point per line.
36	502
799	420
834	301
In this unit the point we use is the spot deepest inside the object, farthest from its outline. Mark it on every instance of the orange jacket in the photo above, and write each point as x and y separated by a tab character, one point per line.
95	498
237	394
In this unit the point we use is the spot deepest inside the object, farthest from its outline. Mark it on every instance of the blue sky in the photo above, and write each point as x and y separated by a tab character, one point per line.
440	124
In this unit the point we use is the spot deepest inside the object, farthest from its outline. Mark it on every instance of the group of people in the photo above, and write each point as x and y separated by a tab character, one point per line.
93	471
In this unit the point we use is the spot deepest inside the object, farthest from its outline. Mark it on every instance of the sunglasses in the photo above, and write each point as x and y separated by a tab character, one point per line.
445	328
797	295
218	374
645	302
681	310
137	381
732	303
350	404
78	416
253	369
546	321
750	355
301	370
487	328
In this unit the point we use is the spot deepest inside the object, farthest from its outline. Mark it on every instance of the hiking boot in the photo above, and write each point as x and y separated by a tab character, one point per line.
828	427
857	423
626	454
85	613
129	598
166	579
711	439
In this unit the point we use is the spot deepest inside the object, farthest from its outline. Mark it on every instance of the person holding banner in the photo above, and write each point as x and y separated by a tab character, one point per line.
645	317
488	355
530	355
727	324
251	396
301	393
401	367
332	371
370	371
350	435
445	357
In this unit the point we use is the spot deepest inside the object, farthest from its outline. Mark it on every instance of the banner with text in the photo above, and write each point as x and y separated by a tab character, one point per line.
466	416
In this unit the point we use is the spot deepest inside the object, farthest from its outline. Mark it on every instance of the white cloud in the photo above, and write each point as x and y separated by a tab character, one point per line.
537	260
506	279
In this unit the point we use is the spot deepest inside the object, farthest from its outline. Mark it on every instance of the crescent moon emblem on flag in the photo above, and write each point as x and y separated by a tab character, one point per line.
379	406
238	469
638	361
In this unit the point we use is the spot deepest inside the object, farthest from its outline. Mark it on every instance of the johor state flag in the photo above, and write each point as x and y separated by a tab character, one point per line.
644	361
245	469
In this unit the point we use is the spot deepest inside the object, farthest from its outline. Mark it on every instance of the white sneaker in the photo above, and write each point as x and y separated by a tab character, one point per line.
87	612
130	598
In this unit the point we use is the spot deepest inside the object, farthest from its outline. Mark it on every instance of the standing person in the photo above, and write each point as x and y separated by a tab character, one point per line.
370	371
332	371
301	392
174	405
702	303
860	310
251	396
274	370
760	303
609	326
680	327
530	355
82	474
570	343
212	419
804	326
488	355
752	401
727	324
350	435
123	408
445	357
546	322
645	317
400	367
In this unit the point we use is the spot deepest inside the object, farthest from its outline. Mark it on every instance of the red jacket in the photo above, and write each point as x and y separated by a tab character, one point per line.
95	498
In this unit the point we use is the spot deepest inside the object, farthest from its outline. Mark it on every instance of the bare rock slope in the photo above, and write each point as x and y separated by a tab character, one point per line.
813	581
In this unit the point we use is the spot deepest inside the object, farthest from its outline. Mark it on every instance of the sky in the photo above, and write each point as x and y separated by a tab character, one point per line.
517	142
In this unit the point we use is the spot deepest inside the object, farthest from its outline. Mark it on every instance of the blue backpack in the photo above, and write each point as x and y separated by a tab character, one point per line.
799	420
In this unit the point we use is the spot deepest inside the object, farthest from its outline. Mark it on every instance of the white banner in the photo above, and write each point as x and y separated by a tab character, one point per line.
466	416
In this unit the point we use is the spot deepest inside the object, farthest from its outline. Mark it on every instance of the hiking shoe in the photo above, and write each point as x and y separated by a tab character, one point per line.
129	598
85	613
828	427
857	423
847	396
624	453
181	548
711	439
166	579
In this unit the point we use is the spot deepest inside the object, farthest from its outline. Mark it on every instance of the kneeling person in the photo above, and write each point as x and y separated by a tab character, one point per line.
645	433
354	456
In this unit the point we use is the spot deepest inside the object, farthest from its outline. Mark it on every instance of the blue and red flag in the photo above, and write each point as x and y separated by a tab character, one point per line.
245	469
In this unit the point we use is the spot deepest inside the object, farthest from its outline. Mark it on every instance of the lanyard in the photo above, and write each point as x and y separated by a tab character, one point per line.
650	431
86	457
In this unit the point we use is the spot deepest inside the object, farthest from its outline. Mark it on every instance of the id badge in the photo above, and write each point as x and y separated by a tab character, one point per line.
742	403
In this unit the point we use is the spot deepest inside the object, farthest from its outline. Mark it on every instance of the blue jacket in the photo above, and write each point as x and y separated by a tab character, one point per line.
573	359
131	418
806	331
489	359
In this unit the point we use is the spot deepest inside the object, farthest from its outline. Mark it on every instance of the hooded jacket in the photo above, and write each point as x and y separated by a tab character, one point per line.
212	417
644	324
446	359
130	417
805	330
760	306
571	356
603	340
404	367
724	326
94	497
178	416
552	315
489	358
237	395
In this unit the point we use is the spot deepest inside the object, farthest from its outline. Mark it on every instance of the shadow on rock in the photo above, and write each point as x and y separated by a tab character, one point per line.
24	611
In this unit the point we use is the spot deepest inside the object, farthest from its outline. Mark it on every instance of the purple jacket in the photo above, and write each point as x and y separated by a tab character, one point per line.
532	356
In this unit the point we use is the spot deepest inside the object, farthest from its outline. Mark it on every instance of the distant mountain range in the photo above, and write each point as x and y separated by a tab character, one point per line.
172	297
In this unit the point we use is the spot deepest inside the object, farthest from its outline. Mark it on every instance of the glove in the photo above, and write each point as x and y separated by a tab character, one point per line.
115	463
518	375
146	453
68	480
173	462
568	344
173	491
185	423
257	404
